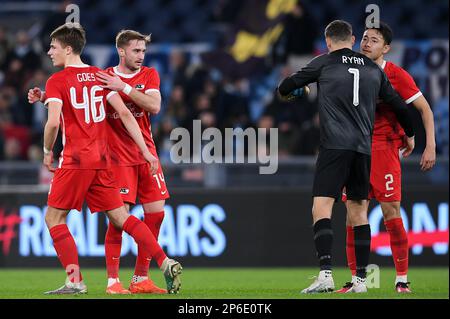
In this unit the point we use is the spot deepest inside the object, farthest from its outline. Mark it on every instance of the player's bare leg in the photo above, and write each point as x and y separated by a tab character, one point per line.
148	246
66	250
357	215
153	217
323	239
399	243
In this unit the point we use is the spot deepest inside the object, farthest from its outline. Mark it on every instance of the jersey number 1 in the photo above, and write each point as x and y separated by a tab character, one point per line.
89	104
355	73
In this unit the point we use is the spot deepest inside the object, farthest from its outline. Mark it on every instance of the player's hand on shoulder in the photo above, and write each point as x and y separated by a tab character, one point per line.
110	81
408	146
428	158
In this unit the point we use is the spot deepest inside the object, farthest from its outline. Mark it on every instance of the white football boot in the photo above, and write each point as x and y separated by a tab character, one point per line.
359	286
323	283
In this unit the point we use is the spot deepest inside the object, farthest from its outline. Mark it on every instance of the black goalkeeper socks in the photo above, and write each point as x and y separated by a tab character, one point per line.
362	249
323	238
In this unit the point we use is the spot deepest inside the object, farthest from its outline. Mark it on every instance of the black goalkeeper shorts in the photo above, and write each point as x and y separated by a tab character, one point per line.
336	169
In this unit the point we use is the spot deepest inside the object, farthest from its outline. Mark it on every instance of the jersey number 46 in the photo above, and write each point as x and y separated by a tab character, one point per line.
89	103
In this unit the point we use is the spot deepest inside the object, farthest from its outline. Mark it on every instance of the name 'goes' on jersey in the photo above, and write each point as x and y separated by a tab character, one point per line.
83	125
349	84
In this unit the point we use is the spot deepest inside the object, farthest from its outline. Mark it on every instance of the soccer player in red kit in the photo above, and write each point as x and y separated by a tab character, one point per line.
138	86
76	100
385	174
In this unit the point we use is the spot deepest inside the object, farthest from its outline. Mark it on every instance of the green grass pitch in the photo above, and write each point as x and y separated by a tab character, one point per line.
225	283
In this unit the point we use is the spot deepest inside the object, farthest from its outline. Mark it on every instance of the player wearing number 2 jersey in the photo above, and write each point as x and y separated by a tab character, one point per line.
385	173
349	84
76	101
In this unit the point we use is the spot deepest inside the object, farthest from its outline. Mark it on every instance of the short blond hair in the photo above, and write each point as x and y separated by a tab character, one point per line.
125	36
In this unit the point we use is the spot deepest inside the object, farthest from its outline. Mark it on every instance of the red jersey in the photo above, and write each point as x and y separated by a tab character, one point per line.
84	129
124	151
387	130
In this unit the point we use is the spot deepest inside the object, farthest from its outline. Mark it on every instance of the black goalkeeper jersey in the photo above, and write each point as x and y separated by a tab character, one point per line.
349	85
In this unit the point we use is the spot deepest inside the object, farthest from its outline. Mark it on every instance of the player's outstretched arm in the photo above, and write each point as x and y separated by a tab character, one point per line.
295	85
51	132
429	154
133	129
149	102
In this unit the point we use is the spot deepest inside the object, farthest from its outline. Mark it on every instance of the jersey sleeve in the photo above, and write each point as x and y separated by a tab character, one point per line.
308	74
53	91
153	82
387	92
398	106
407	88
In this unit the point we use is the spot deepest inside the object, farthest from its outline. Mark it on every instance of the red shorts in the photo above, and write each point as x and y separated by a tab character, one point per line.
137	181
70	187
386	175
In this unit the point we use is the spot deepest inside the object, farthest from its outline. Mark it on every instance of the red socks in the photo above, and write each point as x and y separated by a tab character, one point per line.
148	246
66	250
154	221
113	245
350	249
399	244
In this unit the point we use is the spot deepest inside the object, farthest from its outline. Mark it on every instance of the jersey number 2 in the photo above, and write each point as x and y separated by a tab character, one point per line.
390	180
89	104
355	73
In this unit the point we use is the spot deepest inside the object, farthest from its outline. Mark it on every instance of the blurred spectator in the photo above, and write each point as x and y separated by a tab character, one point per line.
288	139
35	153
177	107
13	150
162	138
207	119
266	122
17	142
5	112
178	66
233	104
14	73
5	46
197	76
21	61
296	44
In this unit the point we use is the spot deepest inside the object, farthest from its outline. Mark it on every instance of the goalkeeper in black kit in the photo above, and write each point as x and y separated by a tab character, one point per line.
349	85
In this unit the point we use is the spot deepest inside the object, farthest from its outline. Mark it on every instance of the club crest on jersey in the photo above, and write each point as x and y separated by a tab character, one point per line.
124	191
139	86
